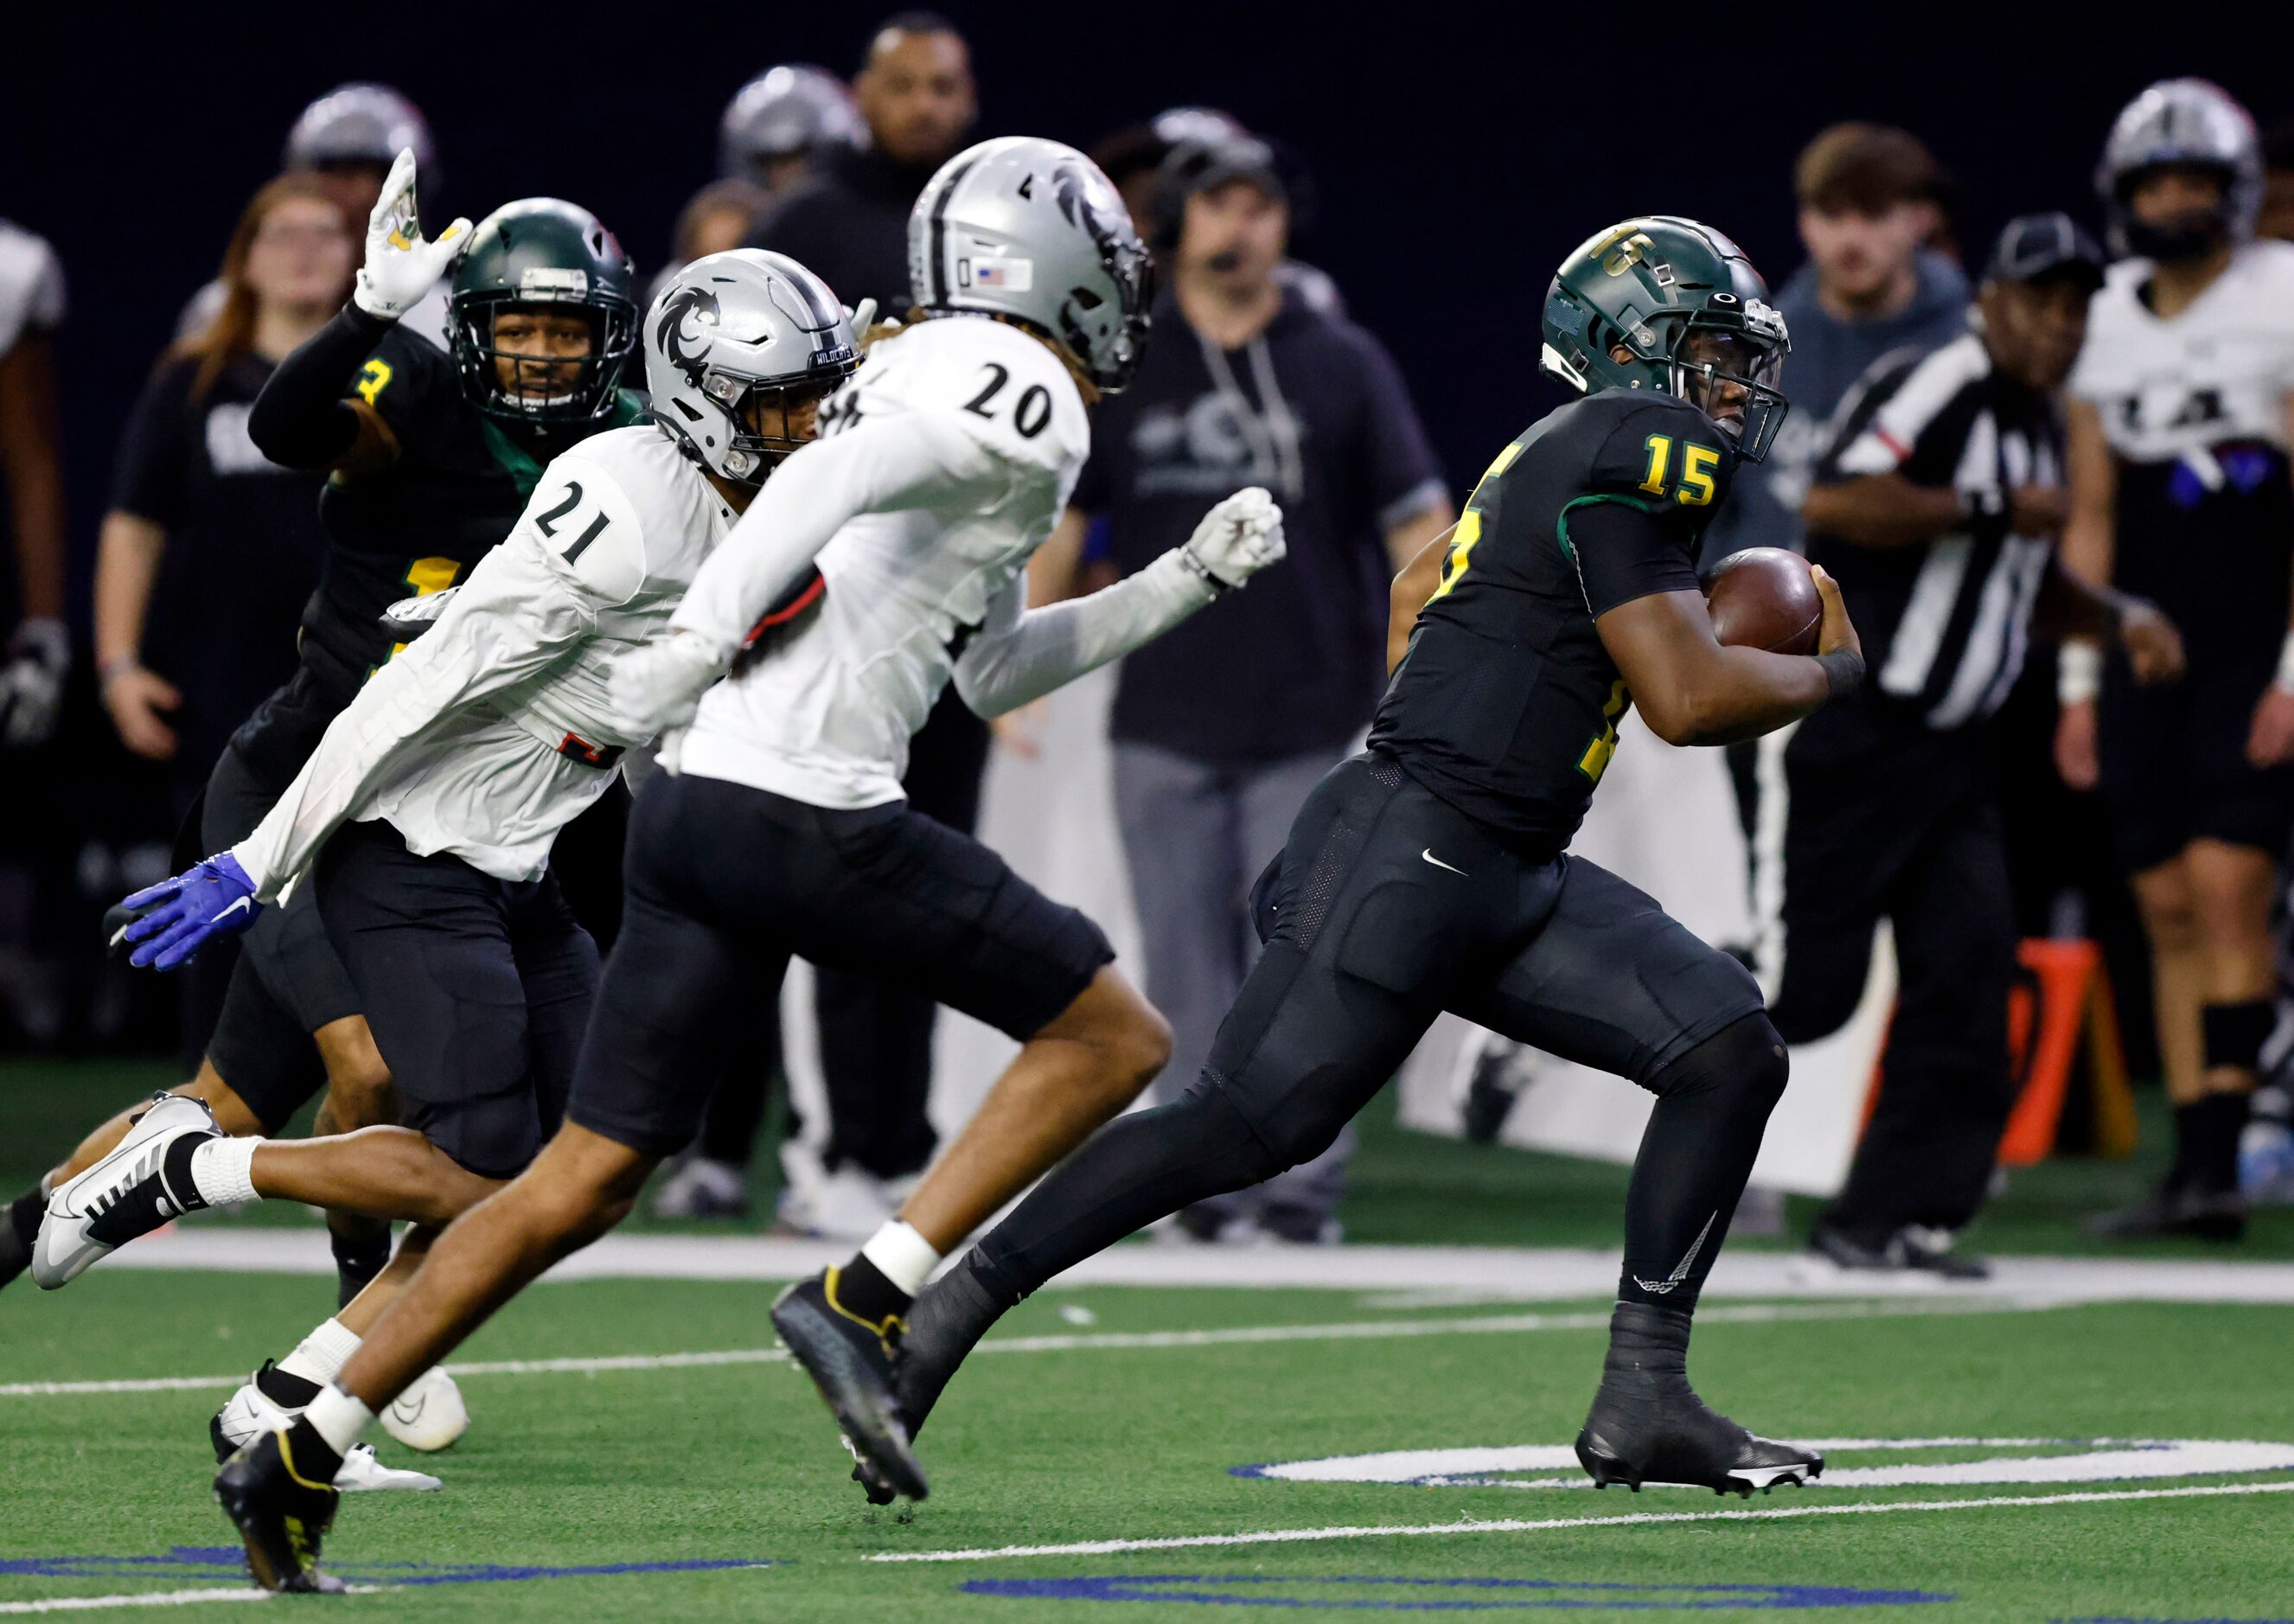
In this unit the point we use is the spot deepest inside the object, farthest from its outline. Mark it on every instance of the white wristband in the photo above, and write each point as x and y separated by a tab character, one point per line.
2078	674
2285	678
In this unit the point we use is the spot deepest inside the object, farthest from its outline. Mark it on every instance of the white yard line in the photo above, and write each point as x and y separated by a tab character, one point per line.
1487	1274
149	1598
1523	1525
1102	1341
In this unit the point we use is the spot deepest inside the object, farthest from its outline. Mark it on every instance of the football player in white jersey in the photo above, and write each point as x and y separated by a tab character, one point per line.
436	797
873	569
2181	411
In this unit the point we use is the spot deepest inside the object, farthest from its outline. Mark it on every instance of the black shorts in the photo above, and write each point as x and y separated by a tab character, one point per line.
477	990
287	981
2174	760
726	883
1389	905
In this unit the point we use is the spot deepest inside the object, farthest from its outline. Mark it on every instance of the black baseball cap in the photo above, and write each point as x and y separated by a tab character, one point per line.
2039	248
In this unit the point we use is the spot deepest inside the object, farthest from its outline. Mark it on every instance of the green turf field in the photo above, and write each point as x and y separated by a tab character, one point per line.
716	1486
1081	1441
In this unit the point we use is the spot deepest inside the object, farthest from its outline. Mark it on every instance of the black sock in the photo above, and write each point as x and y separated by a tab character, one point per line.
360	1255
861	1290
24	1214
309	1456
2217	1122
1695	1155
284	1388
1647	1340
2190	1134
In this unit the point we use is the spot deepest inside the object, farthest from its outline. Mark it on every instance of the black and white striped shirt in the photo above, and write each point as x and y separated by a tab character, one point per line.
1945	624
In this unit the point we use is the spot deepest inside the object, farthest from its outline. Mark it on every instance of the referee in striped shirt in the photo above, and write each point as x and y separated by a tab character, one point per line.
1936	504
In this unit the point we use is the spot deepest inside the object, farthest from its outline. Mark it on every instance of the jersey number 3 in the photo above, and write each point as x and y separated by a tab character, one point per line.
1695	488
547	523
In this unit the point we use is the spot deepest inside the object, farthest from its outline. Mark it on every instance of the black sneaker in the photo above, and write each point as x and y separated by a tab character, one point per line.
850	1361
2170	1213
1914	1249
282	1515
1648	1426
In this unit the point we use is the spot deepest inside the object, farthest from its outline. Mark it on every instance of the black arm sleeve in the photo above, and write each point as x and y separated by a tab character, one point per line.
301	419
1623	552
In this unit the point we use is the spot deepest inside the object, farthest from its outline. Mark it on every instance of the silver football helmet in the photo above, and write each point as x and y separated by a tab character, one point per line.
1031	231
361	123
729	334
786	112
2182	121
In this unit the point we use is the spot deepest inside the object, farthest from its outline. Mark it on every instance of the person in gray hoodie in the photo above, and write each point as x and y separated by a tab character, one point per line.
1870	200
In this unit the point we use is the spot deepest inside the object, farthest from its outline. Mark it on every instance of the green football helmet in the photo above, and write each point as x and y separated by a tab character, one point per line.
1690	308
543	252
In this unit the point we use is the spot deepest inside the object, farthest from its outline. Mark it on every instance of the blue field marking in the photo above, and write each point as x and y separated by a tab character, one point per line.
228	1561
1448	1594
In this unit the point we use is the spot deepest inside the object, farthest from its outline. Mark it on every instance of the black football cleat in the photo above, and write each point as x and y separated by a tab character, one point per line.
2176	1213
281	1515
1648	1426
946	1322
19	1231
850	1360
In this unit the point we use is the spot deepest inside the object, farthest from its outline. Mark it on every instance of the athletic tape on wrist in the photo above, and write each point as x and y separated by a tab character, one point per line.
2078	674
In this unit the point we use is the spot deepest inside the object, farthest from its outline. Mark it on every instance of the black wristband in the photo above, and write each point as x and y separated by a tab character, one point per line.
299	420
1843	668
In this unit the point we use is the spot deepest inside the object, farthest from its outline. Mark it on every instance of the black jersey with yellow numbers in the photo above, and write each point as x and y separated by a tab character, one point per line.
412	527
1507	703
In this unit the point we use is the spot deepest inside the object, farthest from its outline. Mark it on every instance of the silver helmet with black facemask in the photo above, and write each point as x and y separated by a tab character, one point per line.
1031	231
733	346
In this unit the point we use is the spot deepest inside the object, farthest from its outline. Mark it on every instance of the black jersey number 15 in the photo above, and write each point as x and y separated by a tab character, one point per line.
547	523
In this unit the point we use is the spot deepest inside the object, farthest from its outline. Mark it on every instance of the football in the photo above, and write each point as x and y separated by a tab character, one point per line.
1764	597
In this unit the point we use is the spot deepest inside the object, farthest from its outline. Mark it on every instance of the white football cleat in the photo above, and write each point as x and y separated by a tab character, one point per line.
429	1414
123	1195
251	1413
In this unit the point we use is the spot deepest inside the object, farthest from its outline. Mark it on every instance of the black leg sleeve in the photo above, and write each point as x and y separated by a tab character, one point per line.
301	419
1713	1106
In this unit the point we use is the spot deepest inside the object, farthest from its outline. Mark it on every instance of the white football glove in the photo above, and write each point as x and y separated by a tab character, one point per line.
400	264
659	687
409	617
32	683
862	316
1239	537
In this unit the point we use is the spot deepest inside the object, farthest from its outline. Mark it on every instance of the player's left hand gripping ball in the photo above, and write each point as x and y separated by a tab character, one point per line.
183	915
1239	536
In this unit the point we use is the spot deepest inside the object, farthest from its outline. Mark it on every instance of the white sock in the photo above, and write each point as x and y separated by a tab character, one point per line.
222	1171
339	1418
321	1355
901	1255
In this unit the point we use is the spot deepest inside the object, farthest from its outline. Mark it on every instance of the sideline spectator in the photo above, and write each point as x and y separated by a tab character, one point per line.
1869	199
1940	492
209	549
347	140
38	650
1246	384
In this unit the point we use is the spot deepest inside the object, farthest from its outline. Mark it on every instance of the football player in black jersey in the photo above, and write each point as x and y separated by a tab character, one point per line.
1429	873
431	456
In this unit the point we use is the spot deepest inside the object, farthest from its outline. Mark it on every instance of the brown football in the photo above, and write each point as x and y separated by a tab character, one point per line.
1764	597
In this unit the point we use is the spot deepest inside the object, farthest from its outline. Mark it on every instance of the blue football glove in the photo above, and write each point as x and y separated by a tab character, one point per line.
183	915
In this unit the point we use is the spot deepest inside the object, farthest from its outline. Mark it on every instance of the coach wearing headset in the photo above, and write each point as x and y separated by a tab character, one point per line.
1246	384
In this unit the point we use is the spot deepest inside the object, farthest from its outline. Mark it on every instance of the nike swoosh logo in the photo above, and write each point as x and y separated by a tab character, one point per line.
1429	855
245	902
1664	1286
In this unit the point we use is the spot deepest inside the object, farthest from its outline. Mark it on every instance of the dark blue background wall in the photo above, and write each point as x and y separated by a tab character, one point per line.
1459	151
